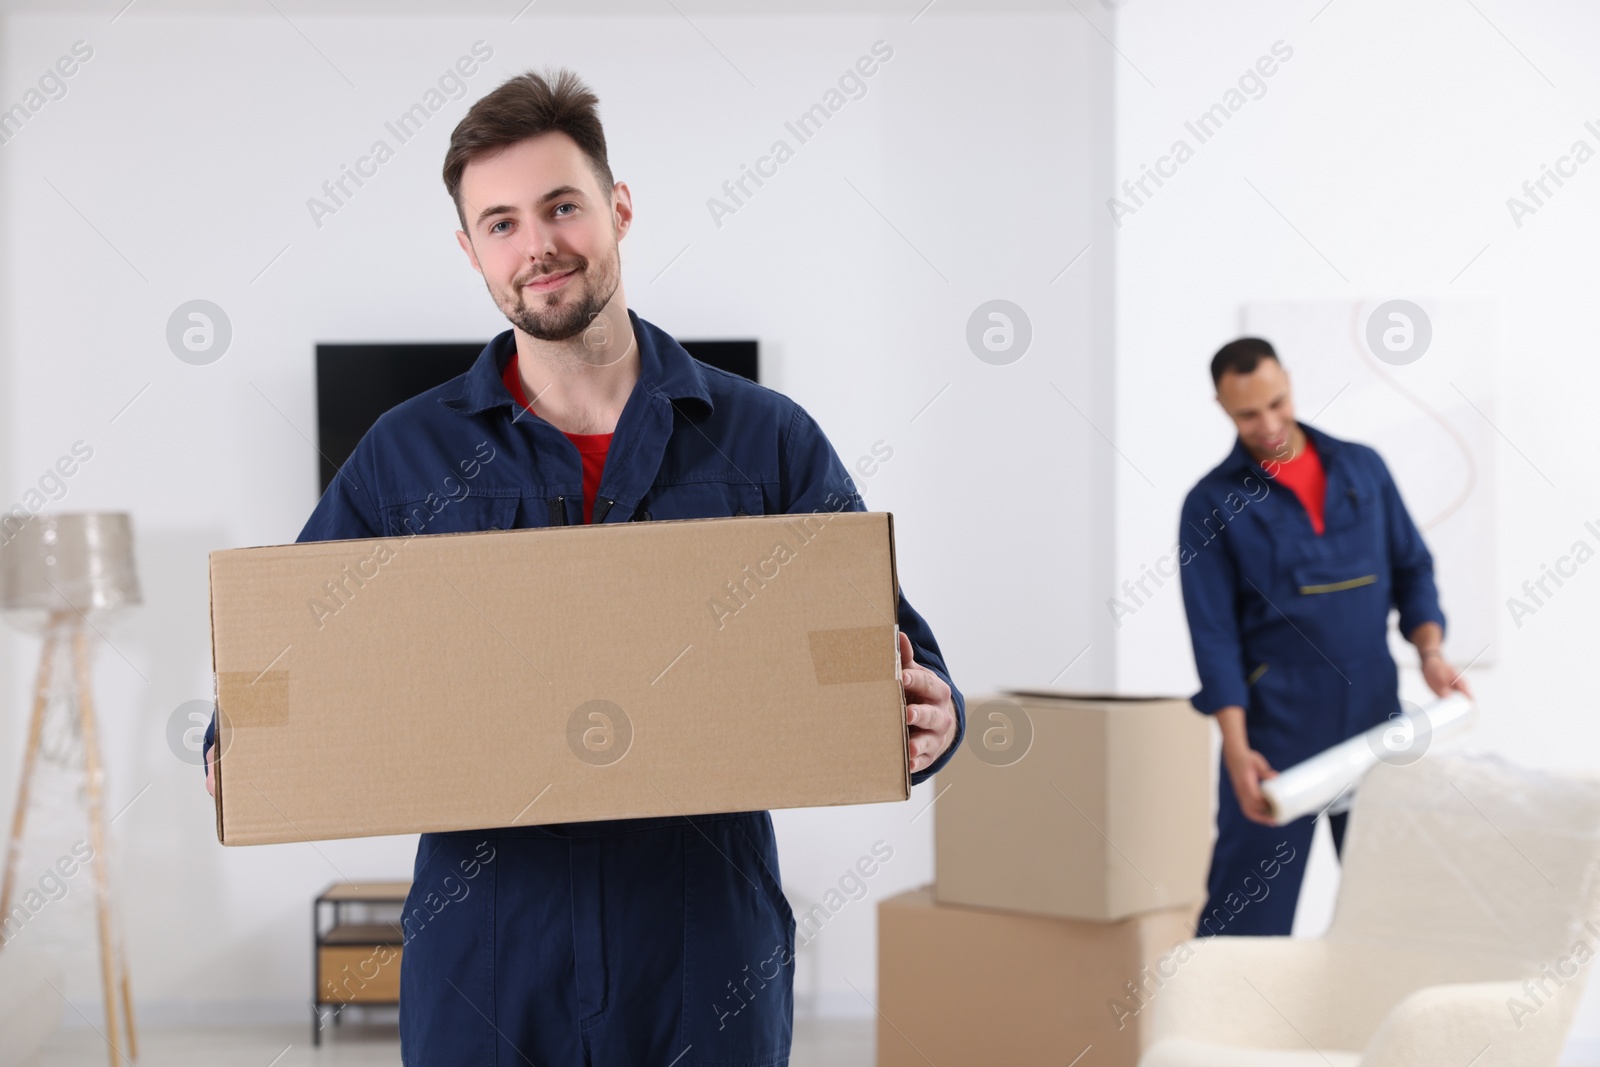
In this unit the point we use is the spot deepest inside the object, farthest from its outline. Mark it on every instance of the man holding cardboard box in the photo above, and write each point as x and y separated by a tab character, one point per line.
1288	596
617	942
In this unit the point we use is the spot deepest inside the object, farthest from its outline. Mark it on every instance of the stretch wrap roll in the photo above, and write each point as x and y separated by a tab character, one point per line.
1316	784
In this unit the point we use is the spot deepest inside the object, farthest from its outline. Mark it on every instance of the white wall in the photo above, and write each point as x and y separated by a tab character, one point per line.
181	160
189	144
1390	141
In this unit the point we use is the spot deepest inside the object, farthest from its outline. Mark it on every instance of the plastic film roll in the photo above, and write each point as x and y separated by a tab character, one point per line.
1314	785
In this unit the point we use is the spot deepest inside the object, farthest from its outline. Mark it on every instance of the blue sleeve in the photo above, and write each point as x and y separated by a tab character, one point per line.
814	479
1410	562
348	510
1210	584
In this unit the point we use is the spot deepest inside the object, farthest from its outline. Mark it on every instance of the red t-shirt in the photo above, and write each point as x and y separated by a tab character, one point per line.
1307	480
592	447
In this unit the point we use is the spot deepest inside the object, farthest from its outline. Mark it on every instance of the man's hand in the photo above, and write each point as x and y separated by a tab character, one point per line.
211	763
1436	670
1247	768
1441	677
930	712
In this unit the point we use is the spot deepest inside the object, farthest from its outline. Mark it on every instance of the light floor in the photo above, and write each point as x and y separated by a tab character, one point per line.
830	1043
825	1043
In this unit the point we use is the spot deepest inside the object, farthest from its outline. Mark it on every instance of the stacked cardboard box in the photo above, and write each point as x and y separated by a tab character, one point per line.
1072	837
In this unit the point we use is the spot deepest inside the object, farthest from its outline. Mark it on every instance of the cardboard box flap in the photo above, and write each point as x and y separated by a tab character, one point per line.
1118	799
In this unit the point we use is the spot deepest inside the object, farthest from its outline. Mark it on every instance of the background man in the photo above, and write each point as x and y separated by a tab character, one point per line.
1299	546
659	941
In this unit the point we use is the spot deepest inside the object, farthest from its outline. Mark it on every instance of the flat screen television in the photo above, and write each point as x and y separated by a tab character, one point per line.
358	382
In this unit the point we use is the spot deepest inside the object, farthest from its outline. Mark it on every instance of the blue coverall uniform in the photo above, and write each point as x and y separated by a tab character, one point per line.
626	942
1293	627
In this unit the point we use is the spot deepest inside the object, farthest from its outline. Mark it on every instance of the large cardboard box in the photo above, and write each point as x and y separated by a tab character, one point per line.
476	680
1085	807
969	987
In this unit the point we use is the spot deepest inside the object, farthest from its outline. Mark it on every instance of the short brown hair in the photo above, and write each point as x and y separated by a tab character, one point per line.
526	106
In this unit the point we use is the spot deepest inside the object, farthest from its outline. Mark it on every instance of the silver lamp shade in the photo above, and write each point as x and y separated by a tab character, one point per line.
61	566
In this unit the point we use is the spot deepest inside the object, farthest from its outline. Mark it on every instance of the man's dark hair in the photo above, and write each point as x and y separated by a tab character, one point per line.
1240	357
527	106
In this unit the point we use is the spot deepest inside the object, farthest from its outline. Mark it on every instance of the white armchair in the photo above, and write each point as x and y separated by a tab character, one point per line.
1469	910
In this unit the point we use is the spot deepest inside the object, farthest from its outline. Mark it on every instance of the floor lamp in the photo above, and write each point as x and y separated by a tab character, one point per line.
59	576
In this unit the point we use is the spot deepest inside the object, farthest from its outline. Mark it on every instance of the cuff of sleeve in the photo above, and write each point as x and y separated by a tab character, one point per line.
1411	619
1213	698
211	739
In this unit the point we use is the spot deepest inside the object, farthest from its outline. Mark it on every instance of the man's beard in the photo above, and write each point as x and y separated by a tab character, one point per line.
570	317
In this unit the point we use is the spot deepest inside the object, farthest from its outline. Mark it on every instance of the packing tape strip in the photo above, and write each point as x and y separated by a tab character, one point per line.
853	655
250	699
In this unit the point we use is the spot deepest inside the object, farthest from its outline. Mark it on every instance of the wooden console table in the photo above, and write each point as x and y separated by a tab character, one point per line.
354	962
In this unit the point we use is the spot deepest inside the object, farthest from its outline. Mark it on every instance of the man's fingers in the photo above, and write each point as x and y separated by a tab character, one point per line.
923	684
917	750
930	726
924	748
917	678
1264	812
1253	804
912	676
918	681
930	717
931	722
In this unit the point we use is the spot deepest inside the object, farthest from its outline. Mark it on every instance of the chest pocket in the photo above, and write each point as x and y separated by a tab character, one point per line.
1328	576
702	500
438	513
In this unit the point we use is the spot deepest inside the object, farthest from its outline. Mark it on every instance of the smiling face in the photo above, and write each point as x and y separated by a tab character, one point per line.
1261	406
544	234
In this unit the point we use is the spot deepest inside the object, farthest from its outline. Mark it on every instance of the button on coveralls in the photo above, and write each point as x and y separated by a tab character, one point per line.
664	941
1293	627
